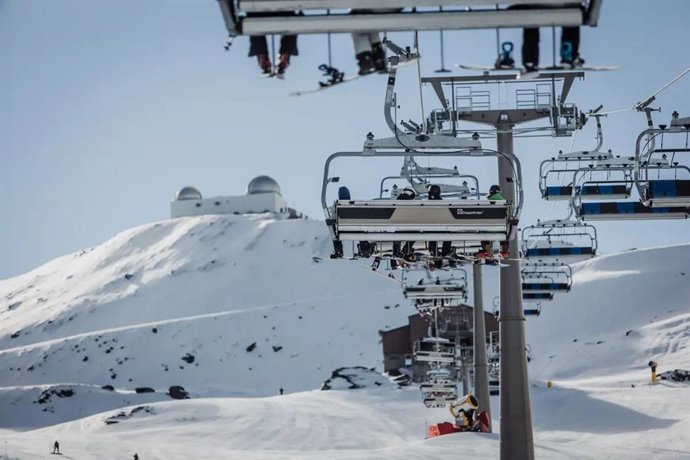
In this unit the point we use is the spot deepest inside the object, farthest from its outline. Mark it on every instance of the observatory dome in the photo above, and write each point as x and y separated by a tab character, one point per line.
263	184
187	193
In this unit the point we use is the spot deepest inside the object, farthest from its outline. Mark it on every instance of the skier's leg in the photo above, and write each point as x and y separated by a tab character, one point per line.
363	53
288	47
377	51
530	48
258	46
571	35
337	249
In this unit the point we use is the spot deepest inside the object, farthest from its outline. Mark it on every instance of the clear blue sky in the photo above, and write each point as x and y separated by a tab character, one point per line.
107	108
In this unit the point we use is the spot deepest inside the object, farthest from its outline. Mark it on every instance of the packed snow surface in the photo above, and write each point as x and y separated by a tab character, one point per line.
233	308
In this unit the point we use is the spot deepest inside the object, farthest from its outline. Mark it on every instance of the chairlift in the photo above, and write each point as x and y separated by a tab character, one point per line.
533	311
537	296
561	240
386	221
553	171
605	177
262	17
432	288
662	174
545	277
436	349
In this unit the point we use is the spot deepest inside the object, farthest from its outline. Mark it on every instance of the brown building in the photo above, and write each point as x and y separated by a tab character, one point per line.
455	324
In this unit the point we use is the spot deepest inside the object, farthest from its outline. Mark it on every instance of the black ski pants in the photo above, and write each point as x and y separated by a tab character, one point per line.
530	43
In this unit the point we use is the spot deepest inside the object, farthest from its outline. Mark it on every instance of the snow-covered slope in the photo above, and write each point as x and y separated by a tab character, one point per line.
236	306
219	305
623	311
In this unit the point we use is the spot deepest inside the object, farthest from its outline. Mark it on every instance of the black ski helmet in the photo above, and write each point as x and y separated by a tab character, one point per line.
434	191
494	189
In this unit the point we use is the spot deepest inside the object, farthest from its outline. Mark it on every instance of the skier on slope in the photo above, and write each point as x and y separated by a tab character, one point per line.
56	447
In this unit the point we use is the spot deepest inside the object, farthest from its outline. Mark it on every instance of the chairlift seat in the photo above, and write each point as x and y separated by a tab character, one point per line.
422	220
667	192
537	296
545	287
589	192
628	210
434	356
435	291
262	17
559	252
532	311
437	386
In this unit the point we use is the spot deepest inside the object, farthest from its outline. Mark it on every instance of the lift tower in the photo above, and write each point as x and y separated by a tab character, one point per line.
472	99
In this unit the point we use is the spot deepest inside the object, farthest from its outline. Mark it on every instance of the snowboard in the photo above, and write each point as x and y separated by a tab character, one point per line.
522	71
343	79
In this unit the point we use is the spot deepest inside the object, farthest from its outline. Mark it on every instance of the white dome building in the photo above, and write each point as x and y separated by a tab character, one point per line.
188	193
263	195
263	184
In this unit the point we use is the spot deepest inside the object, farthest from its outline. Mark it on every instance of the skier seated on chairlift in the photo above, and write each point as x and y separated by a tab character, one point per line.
487	250
570	45
407	251
464	411
258	46
369	50
435	194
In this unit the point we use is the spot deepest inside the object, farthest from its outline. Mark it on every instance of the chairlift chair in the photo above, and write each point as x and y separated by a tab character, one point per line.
537	296
386	221
553	277
662	174
532	311
434	349
263	17
561	240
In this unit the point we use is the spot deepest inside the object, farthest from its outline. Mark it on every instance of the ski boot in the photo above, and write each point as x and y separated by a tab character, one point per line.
264	63
283	64
378	56
530	67
365	61
573	64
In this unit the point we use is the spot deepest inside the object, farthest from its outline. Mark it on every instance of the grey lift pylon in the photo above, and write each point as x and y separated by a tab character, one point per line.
481	376
517	441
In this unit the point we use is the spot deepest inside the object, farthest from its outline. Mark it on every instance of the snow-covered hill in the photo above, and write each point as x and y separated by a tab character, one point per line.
623	311
233	308
219	305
